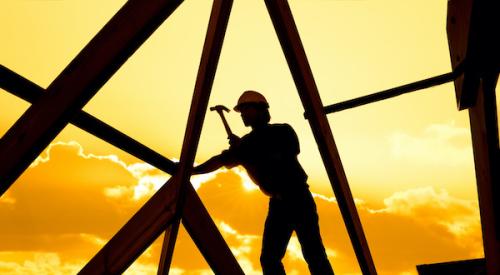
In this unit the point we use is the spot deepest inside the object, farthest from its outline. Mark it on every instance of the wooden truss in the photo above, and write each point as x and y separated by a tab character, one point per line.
62	102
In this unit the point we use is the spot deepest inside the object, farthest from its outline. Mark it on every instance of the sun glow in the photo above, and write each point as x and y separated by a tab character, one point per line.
247	182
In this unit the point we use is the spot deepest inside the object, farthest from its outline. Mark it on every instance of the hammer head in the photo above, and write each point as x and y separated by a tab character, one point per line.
219	108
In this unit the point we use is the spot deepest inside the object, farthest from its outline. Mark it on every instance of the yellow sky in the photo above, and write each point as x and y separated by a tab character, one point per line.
408	159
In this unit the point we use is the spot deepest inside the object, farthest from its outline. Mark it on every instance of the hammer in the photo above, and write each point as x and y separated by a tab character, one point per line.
220	109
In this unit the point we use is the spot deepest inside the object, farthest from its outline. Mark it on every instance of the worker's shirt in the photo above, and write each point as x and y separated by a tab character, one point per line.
269	154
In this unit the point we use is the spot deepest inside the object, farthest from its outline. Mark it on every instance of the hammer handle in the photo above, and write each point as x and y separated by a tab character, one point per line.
226	126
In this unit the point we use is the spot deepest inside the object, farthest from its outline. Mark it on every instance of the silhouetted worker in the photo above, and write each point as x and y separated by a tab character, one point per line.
269	154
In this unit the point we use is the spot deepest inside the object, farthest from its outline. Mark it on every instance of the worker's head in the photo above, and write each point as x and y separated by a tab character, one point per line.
254	108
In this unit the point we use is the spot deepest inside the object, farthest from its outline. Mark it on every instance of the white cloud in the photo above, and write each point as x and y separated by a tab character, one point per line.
138	268
294	250
242	247
247	182
443	144
45	156
39	263
459	217
423	206
149	178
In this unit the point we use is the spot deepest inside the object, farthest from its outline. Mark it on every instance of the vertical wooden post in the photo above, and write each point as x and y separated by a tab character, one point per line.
484	130
472	27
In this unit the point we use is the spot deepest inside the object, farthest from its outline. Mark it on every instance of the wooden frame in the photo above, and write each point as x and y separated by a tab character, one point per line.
474	57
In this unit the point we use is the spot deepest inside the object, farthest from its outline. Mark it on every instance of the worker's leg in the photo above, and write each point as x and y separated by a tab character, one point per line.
277	233
308	233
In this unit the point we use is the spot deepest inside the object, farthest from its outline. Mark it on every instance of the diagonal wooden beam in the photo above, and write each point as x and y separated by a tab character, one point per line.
76	85
207	238
288	35
137	234
167	250
214	39
196	219
31	92
150	221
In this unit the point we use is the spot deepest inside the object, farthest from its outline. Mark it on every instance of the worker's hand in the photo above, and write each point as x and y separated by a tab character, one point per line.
234	139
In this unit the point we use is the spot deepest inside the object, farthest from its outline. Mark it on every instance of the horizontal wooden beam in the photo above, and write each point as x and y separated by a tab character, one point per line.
78	83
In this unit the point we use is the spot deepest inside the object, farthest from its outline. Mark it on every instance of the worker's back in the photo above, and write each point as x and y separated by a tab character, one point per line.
269	154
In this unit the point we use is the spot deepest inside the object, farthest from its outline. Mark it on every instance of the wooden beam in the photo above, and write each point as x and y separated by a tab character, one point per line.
214	38
137	234
78	83
207	238
390	93
205	235
31	92
206	73
299	66
484	131
150	221
167	250
212	246
472	28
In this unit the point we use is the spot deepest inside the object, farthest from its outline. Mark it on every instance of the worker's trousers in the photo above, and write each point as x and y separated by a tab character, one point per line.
293	212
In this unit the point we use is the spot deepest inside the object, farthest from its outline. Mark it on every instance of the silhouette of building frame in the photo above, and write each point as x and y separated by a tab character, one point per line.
471	28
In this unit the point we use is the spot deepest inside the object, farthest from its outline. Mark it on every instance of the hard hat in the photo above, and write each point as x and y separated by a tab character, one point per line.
251	97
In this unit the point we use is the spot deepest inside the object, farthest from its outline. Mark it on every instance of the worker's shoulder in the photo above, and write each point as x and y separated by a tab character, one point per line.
282	128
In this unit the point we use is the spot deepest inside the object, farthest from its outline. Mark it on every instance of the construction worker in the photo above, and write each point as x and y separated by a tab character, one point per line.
269	154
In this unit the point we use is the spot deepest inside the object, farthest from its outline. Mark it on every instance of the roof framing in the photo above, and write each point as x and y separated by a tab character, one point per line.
474	57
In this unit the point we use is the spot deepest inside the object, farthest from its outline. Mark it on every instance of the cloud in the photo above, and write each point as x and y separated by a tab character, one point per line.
295	251
149	178
70	202
45	156
440	144
67	205
37	263
244	247
459	217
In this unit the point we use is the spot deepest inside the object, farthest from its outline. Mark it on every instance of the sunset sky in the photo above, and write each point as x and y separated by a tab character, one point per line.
408	160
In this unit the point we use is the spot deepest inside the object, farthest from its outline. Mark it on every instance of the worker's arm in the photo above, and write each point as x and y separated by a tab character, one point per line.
208	166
